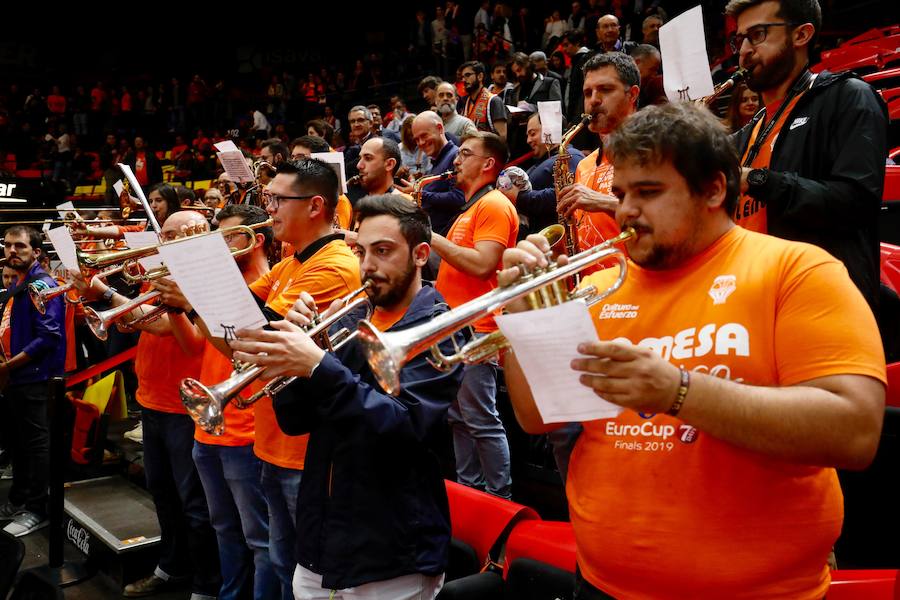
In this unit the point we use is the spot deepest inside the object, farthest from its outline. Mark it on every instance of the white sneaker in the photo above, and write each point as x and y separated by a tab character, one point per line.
6	472
25	522
136	434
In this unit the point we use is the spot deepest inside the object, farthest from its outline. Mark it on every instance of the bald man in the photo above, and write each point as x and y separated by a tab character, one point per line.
446	102
441	199
608	34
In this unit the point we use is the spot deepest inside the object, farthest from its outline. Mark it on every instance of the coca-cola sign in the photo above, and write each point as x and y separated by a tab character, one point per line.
79	536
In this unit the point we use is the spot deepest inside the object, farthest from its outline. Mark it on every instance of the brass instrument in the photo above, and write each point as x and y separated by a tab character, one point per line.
206	404
428	180
355	180
100	322
563	178
132	183
40	295
725	86
388	352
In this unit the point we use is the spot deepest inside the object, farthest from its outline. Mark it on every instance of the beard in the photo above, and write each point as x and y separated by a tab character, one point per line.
446	109
765	77
392	292
472	87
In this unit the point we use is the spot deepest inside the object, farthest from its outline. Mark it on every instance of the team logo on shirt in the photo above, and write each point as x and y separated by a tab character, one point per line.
688	434
722	287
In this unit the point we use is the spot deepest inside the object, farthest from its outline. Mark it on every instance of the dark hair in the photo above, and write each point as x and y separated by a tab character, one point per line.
573	36
732	114
521	59
323	128
170	195
429	83
277	147
493	145
315	144
249	215
688	137
313	176
185	193
643	50
391	149
415	225
475	65
624	65
792	11
34	236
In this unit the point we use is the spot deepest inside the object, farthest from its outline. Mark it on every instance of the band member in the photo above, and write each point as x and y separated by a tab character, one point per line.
487	225
379	159
364	443
32	350
162	361
163	201
611	90
482	107
303	147
735	379
228	468
796	183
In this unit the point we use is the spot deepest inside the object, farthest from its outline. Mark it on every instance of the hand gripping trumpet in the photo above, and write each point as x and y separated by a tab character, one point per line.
40	294
388	352
723	87
206	404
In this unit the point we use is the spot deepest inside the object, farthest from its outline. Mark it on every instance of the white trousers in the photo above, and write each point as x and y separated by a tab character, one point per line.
308	586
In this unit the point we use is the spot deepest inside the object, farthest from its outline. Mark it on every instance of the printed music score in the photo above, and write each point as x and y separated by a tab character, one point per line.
204	269
336	160
682	43
142	239
234	163
545	342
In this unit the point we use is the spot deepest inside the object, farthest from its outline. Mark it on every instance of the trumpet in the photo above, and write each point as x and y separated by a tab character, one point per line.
40	294
206	404
100	322
723	87
423	181
388	352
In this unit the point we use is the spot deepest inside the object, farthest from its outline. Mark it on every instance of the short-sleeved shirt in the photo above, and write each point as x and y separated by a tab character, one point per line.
239	428
663	510
594	228
327	270
160	365
491	218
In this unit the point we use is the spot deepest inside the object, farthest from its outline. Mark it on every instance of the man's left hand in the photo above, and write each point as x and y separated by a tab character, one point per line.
171	294
579	196
630	376
287	351
406	186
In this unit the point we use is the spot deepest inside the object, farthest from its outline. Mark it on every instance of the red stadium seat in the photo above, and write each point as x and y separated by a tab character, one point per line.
85	442
551	542
877	584
873	35
862	59
891	183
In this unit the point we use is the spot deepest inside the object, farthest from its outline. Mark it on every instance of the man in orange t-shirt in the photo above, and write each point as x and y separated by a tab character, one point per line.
487	225
162	361
742	392
611	90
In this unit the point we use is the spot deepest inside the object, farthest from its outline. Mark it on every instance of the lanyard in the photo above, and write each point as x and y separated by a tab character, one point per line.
803	83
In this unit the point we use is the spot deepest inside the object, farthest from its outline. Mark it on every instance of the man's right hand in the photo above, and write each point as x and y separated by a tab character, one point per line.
171	294
303	312
529	254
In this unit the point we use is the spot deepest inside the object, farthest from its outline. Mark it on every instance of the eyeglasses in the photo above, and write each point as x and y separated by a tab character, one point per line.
756	35
229	237
465	153
274	200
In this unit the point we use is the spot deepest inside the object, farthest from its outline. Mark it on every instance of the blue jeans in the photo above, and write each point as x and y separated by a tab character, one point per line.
563	442
479	439
281	487
188	540
237	509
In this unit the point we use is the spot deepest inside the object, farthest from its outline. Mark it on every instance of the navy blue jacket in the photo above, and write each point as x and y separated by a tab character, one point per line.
539	204
41	337
372	503
442	199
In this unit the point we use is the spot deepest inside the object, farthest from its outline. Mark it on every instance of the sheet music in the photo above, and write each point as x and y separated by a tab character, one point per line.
682	43
65	246
233	162
67	210
204	269
551	121
142	239
336	159
226	146
545	342
118	187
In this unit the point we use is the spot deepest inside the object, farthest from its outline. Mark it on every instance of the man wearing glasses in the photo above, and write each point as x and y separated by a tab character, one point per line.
486	226
813	158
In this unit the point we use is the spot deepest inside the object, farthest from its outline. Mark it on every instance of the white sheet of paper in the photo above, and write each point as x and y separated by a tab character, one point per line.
47	225
551	121
118	187
142	239
226	146
334	158
205	271
236	166
545	342
514	109
682	43
65	209
64	245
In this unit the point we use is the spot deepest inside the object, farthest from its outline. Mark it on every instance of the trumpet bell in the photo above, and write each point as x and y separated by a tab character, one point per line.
205	405
385	355
95	322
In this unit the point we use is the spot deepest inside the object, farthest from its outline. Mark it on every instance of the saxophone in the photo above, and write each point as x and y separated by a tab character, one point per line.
563	178
422	182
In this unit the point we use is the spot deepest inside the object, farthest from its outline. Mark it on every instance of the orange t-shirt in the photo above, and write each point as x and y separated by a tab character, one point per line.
330	273
385	319
595	228
492	218
160	365
749	212
6	331
238	423
662	510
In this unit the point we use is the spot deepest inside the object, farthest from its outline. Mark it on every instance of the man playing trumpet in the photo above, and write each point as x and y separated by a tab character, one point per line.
364	443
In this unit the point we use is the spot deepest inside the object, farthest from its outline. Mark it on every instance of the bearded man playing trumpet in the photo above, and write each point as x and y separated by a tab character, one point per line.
363	442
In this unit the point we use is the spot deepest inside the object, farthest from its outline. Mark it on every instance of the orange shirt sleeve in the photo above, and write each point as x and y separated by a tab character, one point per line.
344	211
839	333
495	221
324	282
261	286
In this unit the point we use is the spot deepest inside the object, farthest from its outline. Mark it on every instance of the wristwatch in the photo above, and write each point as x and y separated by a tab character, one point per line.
108	295
757	178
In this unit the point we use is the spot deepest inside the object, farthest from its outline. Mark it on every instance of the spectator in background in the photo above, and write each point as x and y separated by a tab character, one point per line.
483	15
80	104
553	31
539	64
454	123
649	63
427	88
576	18
420	38
650	29
743	106
333	121
321	128
261	127
56	102
360	119
415	162
482	107
439	41
578	54
608	34
144	163
500	84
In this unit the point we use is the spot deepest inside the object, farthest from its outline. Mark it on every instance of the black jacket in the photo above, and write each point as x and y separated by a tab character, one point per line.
826	175
372	503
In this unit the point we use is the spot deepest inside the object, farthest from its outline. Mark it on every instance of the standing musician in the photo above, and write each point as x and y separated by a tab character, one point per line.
379	159
162	361
163	201
813	159
228	468
372	488
736	378
471	252
611	90
301	200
